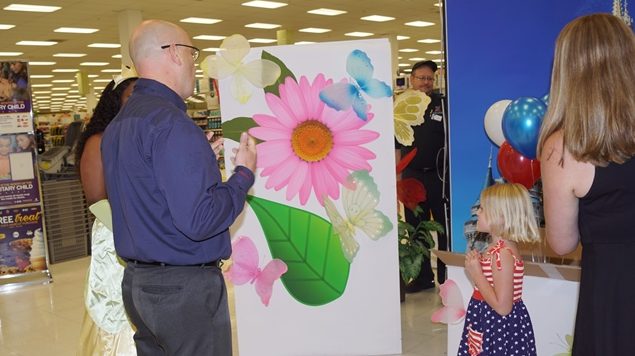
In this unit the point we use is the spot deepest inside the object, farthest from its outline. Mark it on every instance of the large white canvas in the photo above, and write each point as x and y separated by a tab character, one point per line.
365	319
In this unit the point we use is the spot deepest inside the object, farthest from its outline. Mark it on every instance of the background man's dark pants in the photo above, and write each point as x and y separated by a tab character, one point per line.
433	204
177	310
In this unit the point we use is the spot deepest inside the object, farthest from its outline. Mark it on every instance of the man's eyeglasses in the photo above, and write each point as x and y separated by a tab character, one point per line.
423	79
195	51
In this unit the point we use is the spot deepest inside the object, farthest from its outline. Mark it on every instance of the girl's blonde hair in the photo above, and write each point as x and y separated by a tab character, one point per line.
592	85
509	212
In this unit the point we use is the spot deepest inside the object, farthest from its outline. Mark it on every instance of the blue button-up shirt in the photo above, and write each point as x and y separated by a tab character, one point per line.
164	186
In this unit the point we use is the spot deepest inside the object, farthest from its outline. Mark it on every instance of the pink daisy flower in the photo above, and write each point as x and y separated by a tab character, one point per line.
308	145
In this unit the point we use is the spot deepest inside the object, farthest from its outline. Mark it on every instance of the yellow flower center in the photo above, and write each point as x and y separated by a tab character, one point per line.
312	141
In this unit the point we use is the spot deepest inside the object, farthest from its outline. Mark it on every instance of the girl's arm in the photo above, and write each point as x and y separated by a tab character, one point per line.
562	185
92	171
501	297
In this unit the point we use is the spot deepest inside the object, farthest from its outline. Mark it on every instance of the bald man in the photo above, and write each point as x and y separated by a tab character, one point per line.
170	210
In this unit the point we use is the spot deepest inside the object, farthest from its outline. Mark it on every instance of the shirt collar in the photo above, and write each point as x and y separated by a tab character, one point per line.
153	87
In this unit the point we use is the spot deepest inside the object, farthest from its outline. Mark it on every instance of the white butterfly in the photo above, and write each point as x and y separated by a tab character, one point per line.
359	198
409	108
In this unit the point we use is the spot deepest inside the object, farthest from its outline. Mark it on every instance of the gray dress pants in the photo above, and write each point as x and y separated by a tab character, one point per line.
177	310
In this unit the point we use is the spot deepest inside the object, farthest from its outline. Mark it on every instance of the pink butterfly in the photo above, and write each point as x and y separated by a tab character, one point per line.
453	310
245	268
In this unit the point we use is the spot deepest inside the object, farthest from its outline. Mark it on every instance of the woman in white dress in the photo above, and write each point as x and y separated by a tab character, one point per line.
105	329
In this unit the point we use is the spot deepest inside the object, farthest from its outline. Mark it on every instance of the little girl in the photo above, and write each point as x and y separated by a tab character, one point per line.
497	321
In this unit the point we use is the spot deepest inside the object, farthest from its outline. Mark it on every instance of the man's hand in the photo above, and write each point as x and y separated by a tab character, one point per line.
245	155
217	145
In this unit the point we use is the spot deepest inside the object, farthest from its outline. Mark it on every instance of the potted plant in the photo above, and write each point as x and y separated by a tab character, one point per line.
415	243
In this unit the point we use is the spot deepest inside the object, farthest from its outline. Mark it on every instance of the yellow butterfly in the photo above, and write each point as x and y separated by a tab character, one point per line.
408	109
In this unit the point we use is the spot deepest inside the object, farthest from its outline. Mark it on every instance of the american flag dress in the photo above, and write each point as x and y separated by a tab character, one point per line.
488	333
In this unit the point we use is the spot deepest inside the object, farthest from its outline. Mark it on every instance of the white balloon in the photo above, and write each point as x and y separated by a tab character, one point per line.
494	121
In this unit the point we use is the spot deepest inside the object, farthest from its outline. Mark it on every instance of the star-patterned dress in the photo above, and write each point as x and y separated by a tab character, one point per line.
488	333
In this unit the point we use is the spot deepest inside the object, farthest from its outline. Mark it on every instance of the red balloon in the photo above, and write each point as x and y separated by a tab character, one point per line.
517	168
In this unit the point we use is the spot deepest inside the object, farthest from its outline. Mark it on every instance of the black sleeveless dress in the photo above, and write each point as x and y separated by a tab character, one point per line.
605	323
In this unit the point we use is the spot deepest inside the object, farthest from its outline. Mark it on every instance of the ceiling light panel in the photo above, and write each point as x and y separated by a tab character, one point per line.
264	4
94	64
10	54
6	27
70	55
377	18
200	20
264	26
419	23
75	30
31	8
36	43
314	30
434	52
37	63
401	38
209	37
65	70
326	12
358	34
407	50
104	45
429	40
262	40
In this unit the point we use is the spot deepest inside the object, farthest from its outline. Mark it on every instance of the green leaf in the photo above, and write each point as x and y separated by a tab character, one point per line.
234	127
308	244
284	73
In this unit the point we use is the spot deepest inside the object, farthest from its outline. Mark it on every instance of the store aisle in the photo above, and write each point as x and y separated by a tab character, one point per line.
46	319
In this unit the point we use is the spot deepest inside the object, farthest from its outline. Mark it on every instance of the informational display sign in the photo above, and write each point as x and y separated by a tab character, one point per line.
21	241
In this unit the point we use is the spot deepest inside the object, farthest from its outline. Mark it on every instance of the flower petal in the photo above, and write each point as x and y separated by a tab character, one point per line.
281	111
352	157
283	174
272	153
267	133
234	48
305	190
354	138
291	94
240	89
269	121
298	179
261	72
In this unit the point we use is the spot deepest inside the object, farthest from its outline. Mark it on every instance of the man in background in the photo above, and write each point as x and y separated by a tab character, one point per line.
430	167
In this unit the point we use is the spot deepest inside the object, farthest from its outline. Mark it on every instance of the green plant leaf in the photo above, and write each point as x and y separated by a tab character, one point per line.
234	127
284	73
308	244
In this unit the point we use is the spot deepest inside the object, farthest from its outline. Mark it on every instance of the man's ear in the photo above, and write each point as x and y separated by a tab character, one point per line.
175	56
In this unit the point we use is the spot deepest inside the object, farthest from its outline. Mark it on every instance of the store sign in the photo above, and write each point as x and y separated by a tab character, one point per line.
21	241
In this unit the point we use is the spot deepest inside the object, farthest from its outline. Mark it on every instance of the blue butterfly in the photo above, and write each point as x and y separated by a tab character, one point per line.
341	96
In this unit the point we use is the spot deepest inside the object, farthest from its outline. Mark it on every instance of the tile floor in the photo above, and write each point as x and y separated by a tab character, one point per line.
46	319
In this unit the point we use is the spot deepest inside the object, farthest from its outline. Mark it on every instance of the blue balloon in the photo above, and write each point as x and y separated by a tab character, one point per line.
521	124
545	99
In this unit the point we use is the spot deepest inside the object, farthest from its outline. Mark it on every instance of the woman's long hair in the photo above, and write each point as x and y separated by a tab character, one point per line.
106	110
592	97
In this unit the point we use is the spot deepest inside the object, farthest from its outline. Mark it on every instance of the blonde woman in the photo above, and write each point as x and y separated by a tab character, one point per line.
586	145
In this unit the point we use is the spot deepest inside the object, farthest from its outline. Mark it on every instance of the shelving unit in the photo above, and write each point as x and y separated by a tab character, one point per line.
209	121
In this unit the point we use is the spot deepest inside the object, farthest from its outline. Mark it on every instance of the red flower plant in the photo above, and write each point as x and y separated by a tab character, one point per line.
410	191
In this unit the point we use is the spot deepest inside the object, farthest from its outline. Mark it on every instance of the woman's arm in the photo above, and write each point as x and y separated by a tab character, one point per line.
562	185
501	297
92	171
